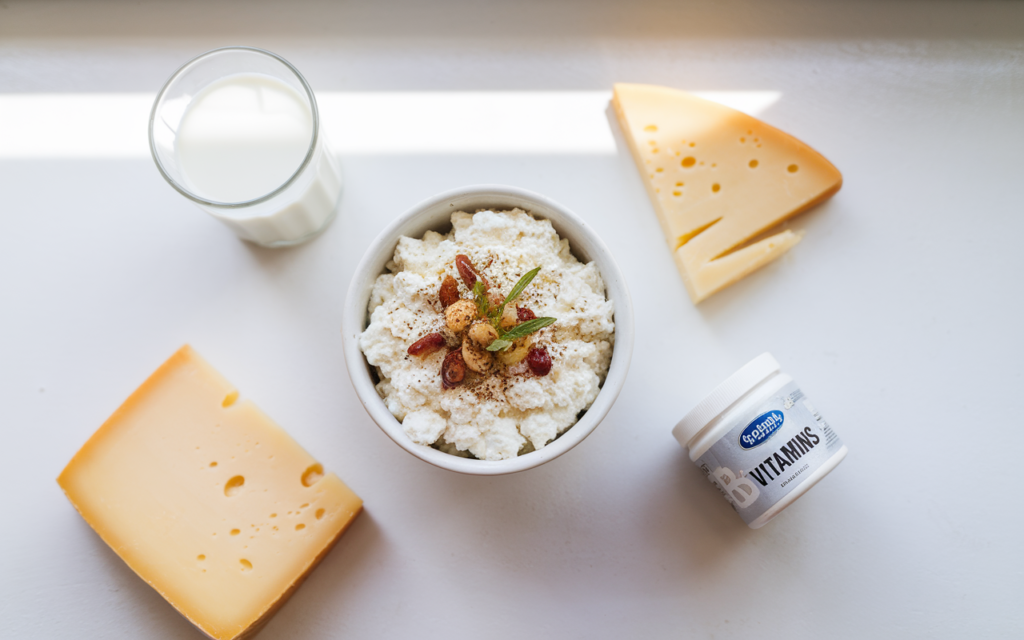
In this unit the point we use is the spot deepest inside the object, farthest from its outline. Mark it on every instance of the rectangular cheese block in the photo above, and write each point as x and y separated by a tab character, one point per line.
719	181
207	499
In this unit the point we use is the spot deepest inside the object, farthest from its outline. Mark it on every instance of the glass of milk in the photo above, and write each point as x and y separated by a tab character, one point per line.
237	131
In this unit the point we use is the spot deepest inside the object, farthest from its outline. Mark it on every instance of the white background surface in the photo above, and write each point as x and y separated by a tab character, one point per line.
899	314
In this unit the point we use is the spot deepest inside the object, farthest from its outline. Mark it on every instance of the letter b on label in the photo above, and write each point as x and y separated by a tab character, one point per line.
742	491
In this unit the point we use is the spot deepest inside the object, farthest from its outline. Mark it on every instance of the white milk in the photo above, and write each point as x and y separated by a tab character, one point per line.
244	136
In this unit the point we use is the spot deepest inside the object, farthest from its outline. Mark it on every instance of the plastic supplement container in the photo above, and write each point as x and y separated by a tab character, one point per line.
760	441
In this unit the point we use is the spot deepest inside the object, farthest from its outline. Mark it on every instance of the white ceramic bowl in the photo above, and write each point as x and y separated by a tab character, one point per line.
435	214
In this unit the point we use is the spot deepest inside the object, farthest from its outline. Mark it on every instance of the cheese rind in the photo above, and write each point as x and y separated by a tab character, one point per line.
718	180
207	499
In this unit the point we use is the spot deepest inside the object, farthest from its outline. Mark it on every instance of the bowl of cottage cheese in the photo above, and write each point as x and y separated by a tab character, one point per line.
487	330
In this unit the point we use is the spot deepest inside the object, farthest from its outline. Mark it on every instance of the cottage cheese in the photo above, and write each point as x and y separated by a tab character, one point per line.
512	412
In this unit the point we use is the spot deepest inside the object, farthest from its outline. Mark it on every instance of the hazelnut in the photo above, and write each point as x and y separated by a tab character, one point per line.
459	314
483	334
477	358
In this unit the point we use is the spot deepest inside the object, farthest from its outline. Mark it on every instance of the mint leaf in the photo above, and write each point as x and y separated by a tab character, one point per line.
482	304
499	345
516	290
521	285
526	328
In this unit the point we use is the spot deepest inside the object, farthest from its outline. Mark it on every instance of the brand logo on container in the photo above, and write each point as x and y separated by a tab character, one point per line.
761	428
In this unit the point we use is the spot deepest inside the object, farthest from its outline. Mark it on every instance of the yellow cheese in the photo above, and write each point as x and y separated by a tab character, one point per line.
208	500
719	179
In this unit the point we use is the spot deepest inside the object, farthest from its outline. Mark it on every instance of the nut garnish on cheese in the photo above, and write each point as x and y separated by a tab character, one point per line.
463	337
719	179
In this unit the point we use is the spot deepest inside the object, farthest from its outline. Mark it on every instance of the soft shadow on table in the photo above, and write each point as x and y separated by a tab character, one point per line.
342	572
315	274
278	260
673	516
751	290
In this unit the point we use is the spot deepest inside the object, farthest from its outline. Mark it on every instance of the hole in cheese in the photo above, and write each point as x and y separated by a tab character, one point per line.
246	565
201	557
651	127
229	399
792	168
213	464
319	514
753	164
233	486
300	527
312	475
235	532
688	161
716	187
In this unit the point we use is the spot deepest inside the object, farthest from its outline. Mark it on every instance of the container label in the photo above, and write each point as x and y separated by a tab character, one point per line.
763	427
782	442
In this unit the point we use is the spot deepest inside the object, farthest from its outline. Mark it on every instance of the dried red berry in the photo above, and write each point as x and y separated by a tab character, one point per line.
427	344
453	369
449	292
539	361
466	270
525	314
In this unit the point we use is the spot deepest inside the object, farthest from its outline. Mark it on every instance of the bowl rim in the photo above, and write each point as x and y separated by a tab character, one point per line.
355	318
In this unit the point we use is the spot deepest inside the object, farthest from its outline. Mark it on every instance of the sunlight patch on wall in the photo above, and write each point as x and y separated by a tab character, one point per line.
114	125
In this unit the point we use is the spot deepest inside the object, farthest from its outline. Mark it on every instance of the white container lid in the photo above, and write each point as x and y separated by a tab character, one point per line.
724	396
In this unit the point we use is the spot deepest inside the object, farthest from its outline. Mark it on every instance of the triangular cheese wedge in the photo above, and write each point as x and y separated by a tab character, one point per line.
718	179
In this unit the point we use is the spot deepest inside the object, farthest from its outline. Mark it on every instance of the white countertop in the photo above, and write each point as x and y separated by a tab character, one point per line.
896	314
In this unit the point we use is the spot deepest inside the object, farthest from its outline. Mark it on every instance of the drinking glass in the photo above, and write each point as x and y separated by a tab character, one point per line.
287	213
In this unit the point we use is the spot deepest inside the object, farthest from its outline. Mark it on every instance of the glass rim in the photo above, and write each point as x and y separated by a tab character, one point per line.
245	203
